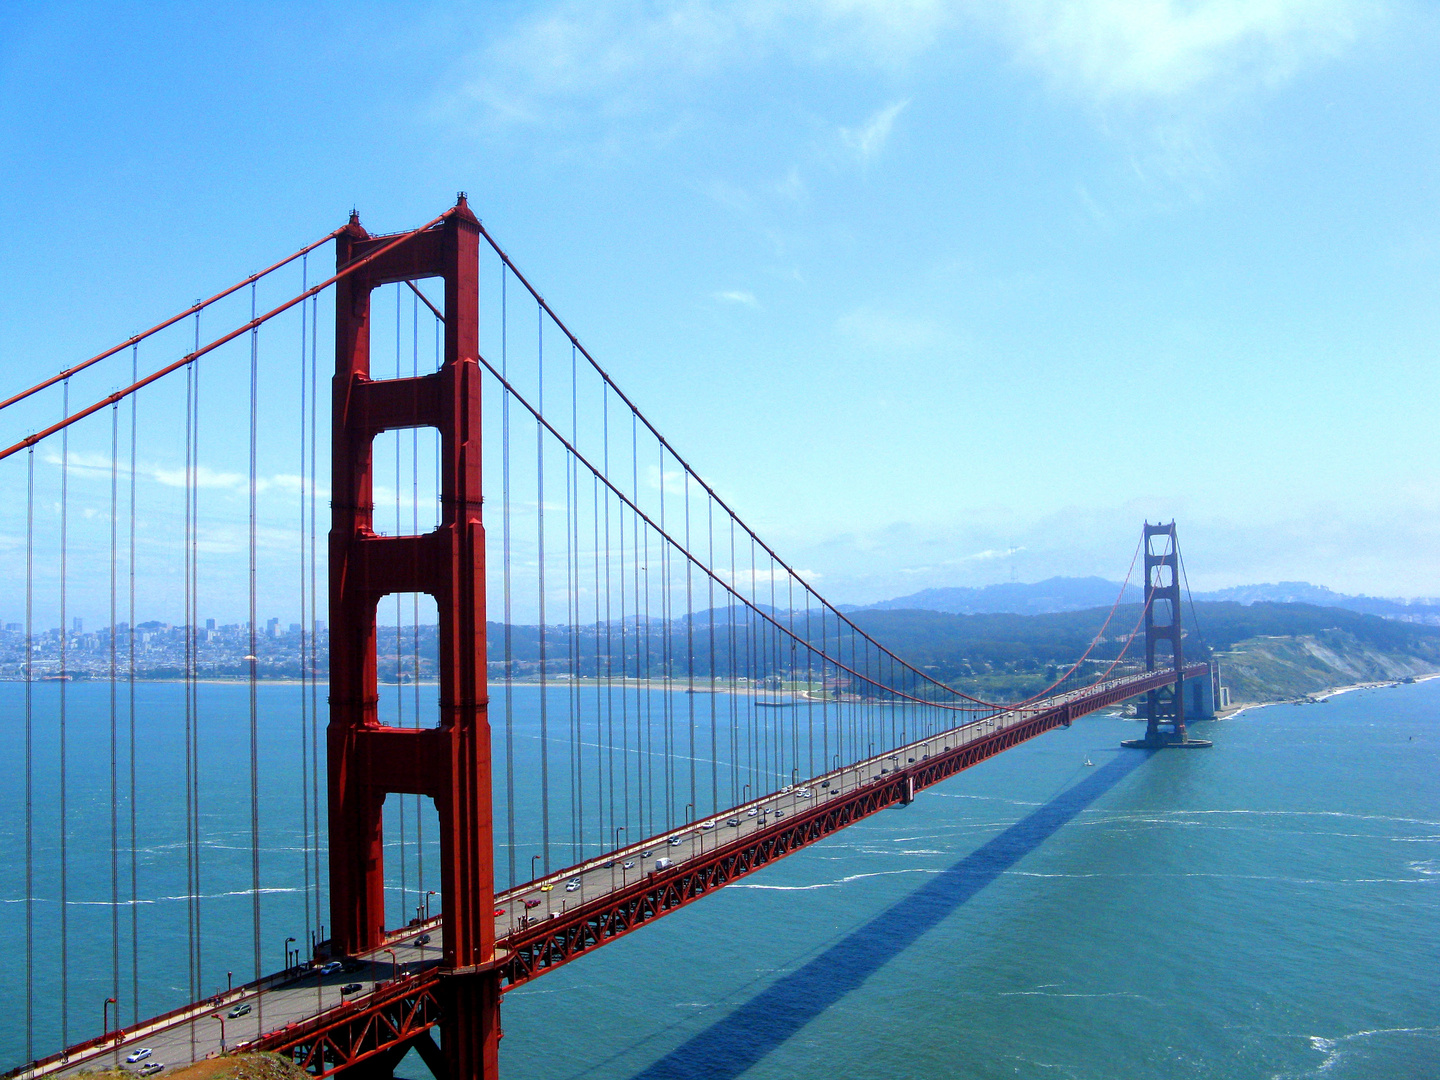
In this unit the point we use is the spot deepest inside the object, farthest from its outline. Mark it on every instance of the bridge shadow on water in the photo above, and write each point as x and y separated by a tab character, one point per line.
732	1045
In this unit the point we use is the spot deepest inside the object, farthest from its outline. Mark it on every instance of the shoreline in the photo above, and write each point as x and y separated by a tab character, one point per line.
1321	695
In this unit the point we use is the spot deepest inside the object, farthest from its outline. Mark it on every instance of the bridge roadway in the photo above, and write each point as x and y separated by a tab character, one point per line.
297	1011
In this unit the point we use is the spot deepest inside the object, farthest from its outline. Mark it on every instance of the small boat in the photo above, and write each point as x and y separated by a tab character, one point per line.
1089	762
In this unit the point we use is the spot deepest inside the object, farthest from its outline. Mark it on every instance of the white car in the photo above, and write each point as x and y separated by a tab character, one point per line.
707	824
138	1055
573	885
751	812
676	841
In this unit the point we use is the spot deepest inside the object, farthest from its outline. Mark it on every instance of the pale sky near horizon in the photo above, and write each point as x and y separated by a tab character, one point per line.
935	293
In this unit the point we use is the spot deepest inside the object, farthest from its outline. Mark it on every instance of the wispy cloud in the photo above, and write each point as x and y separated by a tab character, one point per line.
990	553
1110	51
737	296
619	58
203	477
869	138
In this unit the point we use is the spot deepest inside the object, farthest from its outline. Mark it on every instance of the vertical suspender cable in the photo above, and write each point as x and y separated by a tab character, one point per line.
314	613
735	787
415	597
710	609
399	618
509	620
64	677
114	712
304	608
573	540
30	755
644	743
254	643
571	739
690	641
610	625
130	677
191	892
572	574
624	660
192	674
540	564
667	764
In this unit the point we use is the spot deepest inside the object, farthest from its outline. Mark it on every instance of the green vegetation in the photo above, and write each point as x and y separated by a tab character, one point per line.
1268	651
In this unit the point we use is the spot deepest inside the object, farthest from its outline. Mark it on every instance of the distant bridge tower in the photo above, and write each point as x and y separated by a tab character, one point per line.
450	761
1165	706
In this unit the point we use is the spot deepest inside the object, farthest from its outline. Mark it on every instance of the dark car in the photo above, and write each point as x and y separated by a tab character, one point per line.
349	988
424	939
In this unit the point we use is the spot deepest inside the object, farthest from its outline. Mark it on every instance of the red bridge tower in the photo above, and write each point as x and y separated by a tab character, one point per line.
449	762
1165	707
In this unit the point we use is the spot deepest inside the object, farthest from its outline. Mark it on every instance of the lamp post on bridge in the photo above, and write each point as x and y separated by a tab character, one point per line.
394	964
221	1018
618	830
532	866
288	942
105	1022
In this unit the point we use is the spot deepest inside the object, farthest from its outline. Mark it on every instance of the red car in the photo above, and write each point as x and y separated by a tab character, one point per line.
499	911
532	903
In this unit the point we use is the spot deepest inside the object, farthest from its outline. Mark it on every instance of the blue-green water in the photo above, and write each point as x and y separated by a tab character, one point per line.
1266	908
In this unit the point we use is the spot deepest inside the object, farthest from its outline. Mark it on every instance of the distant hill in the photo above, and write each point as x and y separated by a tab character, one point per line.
1425	610
1060	594
1008	655
1042	598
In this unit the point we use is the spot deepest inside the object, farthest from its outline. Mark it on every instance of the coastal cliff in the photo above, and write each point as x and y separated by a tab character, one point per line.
1281	668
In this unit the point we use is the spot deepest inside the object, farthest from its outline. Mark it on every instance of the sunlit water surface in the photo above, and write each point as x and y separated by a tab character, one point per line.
1266	908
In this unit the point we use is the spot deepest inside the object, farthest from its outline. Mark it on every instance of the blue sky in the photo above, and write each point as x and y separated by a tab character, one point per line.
934	293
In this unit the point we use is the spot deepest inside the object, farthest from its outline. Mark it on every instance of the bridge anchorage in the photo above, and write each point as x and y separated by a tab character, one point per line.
699	712
1165	705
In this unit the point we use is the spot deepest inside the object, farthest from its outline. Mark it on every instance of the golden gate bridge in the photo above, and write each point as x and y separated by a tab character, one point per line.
629	682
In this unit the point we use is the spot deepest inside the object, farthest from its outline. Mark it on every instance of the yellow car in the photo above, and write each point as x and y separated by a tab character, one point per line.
546	888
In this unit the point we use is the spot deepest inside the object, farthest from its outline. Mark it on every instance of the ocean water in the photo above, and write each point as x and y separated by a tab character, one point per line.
1265	908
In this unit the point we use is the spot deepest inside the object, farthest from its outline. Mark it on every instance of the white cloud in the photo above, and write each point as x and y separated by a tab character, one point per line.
98	465
621	57
1142	50
737	296
870	137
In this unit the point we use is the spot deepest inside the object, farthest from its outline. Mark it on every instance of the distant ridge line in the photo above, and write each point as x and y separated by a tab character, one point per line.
1061	594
